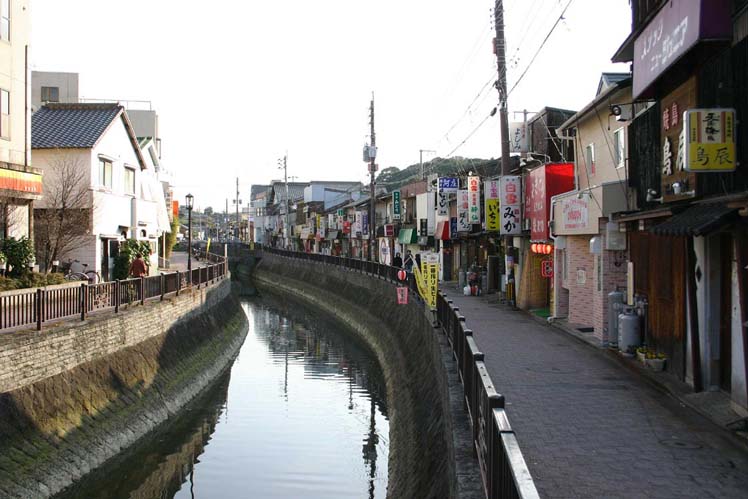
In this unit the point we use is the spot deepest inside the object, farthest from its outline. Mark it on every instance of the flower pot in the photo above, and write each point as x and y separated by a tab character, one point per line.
656	364
641	357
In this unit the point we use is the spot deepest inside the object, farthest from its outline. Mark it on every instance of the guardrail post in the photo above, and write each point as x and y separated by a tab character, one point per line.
142	290
83	301
116	296
39	308
162	283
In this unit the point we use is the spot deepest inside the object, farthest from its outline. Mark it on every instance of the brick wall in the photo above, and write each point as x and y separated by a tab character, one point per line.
30	356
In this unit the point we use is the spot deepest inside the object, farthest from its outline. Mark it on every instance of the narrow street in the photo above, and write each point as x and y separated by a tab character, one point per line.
588	427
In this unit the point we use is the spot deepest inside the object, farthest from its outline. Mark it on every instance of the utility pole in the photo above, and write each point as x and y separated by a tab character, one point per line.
237	202
500	50
420	155
372	171
283	163
226	220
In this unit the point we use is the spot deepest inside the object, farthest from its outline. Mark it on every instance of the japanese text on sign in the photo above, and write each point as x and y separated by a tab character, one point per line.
463	208
511	198
473	200
710	140
448	184
396	205
493	215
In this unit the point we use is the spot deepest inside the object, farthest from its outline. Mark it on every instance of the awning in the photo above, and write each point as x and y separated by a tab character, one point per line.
332	234
696	220
442	231
407	236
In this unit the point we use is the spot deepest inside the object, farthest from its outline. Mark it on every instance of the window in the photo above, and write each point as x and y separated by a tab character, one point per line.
619	148
4	114
5	20
50	94
589	157
105	173
129	180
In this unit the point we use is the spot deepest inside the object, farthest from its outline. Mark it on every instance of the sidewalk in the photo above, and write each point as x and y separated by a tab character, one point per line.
178	262
590	427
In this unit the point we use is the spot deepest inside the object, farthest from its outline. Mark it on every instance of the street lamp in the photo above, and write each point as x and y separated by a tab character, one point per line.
190	202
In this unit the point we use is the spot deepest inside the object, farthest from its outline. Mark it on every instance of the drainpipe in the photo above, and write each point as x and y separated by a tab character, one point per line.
551	228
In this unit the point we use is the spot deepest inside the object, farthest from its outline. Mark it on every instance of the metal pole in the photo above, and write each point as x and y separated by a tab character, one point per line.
237	208
189	241
287	232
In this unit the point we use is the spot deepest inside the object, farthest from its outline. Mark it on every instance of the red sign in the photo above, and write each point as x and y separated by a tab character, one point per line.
346	227
541	185
175	208
389	230
402	295
546	268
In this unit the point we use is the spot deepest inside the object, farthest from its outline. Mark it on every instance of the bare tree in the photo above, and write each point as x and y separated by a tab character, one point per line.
65	218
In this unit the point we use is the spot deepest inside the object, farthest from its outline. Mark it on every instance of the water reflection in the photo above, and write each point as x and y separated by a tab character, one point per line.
308	419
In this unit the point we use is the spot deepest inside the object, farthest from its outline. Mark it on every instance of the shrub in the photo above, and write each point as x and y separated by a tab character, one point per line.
127	251
20	254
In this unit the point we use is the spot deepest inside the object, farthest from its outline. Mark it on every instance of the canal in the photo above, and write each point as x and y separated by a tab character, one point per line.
301	413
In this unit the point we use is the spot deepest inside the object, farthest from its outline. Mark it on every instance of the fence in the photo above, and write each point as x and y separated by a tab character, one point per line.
502	465
38	306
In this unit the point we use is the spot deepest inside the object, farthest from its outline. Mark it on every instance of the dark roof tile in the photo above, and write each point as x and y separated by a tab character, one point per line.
71	125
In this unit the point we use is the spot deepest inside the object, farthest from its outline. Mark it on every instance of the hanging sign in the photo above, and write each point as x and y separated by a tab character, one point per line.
430	213
402	295
518	137
395	205
365	224
473	200
427	278
546	268
358	224
463	208
442	203
448	184
710	140
510	196
493	217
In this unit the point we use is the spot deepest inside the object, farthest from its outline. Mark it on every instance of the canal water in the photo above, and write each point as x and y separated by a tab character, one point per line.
301	413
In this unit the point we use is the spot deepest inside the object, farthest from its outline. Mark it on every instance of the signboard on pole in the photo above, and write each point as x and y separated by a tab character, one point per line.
474	200
546	268
395	205
518	137
442	203
427	278
493	216
511	199
448	184
463	208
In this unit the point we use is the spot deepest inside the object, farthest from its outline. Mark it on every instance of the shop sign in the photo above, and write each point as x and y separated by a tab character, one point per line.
453	228
395	205
673	142
358	223
574	213
402	295
423	226
511	198
389	230
365	223
492	205
346	227
449	185
384	251
463	210
710	140
427	278
442	203
341	213
674	31
430	213
474	200
546	268
518	137
541	185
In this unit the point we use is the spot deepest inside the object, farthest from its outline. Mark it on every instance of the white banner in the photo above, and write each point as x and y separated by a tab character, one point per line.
511	205
430	215
463	208
473	200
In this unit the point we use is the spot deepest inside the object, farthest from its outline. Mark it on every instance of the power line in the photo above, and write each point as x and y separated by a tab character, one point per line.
541	47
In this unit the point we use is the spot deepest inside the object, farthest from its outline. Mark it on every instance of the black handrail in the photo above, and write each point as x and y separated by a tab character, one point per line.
28	307
503	468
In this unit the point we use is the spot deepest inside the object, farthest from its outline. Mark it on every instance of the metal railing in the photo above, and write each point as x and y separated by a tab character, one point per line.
30	307
503	468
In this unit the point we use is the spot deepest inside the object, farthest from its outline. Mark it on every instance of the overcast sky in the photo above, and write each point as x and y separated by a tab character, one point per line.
236	84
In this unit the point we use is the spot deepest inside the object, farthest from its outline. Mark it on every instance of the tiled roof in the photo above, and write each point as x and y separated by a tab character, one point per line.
696	220
71	125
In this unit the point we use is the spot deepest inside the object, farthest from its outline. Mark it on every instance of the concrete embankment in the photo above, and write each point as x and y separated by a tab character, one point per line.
422	461
77	394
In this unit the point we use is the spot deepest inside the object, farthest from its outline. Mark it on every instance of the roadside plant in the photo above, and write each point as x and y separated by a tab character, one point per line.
127	251
19	255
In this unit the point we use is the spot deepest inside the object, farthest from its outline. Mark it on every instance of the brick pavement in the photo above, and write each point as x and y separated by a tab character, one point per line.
590	428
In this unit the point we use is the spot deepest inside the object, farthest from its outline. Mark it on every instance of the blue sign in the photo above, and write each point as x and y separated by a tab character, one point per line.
448	184
453	228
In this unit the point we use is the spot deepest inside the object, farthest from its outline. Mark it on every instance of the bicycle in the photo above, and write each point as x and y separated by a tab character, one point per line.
91	276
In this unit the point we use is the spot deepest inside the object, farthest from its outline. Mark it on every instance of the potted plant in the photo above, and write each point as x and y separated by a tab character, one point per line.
656	361
641	354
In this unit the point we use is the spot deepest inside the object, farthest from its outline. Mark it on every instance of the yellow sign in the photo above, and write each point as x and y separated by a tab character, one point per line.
710	140
493	217
427	279
207	248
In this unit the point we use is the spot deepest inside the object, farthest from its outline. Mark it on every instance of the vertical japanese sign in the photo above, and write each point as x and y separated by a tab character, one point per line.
491	194
510	196
447	186
427	278
430	213
358	224
402	295
463	209
365	223
710	140
473	200
518	137
453	228
395	205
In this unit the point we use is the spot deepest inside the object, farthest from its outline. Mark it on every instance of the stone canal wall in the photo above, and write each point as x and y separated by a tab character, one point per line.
421	450
77	393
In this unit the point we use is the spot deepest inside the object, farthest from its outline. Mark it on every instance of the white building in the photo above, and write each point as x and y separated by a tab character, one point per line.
124	196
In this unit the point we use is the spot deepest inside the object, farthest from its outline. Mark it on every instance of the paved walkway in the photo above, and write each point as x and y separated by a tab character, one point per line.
178	261
590	428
